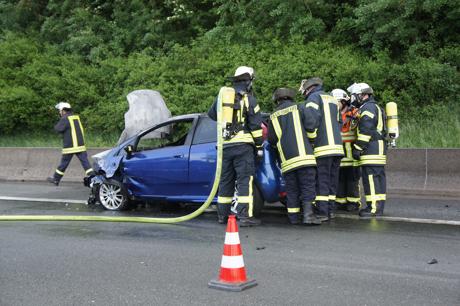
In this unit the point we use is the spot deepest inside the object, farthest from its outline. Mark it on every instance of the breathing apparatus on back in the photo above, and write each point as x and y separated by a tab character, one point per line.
232	108
390	114
392	123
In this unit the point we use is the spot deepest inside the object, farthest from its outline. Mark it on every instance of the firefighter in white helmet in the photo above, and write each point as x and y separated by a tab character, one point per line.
348	189
73	137
242	135
370	148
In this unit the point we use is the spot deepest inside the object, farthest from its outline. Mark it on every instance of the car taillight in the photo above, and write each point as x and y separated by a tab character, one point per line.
282	194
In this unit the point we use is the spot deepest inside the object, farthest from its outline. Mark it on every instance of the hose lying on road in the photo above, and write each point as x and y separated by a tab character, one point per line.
190	216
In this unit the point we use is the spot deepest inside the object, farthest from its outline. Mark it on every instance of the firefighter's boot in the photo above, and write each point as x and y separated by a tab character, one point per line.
332	209
246	222
309	217
52	180
294	219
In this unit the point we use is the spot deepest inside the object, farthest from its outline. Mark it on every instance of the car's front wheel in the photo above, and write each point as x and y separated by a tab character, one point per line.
112	195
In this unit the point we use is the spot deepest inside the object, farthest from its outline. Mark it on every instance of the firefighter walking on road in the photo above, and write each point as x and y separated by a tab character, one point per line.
242	133
370	148
328	147
287	131
73	137
348	197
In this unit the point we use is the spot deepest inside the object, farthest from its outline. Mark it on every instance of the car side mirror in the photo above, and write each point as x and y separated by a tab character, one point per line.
129	149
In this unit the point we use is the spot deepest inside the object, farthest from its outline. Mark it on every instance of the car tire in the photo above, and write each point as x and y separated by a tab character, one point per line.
284	201
258	202
112	195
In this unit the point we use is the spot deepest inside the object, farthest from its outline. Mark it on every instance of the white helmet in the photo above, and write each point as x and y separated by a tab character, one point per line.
360	88
61	105
340	94
242	70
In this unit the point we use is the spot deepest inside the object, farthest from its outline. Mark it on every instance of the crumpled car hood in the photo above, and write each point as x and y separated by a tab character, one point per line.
109	160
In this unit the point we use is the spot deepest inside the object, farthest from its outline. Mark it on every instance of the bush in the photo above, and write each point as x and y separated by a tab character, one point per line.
35	76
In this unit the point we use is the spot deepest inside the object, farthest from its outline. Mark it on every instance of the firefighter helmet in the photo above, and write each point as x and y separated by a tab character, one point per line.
244	73
357	90
340	94
307	83
283	94
360	88
62	105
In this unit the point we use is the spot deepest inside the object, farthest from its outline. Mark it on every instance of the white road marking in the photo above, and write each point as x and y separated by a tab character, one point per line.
42	200
404	219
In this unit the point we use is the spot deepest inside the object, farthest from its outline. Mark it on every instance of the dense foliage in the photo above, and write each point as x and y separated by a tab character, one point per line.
93	52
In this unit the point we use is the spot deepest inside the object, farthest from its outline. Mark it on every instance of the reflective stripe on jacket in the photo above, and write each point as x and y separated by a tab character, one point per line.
371	134
348	137
325	108
73	134
287	130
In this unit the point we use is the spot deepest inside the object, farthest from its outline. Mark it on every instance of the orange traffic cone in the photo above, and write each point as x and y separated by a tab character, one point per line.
232	275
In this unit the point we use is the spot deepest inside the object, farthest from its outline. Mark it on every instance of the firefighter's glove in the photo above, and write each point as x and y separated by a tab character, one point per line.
356	152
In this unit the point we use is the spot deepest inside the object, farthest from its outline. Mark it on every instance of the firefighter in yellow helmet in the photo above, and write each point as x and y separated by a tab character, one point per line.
328	147
243	135
348	197
370	148
73	137
287	131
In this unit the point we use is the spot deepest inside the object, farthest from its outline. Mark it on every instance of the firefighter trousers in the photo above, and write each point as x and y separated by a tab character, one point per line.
375	185
326	183
65	161
237	168
348	188
300	189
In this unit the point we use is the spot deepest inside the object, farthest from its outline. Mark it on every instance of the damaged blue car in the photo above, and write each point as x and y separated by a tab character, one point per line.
173	161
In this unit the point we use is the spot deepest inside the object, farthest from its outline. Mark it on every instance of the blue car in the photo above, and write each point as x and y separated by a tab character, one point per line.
174	161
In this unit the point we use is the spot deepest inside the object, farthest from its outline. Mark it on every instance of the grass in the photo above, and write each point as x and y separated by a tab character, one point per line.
432	135
440	129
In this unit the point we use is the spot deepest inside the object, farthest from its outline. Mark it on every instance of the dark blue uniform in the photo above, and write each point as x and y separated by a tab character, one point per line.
239	156
328	147
373	150
287	131
73	144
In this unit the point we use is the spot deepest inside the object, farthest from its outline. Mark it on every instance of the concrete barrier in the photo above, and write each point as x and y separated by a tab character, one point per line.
424	171
36	164
413	171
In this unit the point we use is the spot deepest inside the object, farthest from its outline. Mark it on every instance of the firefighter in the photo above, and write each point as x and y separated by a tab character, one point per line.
238	161
349	174
287	131
370	148
73	137
328	147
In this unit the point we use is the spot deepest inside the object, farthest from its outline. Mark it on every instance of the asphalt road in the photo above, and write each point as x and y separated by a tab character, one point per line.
346	262
397	206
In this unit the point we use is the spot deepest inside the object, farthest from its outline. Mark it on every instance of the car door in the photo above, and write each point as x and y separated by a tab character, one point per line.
203	156
158	167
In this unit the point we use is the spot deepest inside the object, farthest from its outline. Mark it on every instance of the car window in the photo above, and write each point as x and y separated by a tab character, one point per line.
170	135
205	131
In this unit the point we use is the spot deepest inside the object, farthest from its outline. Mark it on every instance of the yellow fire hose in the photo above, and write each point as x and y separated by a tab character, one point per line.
190	216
